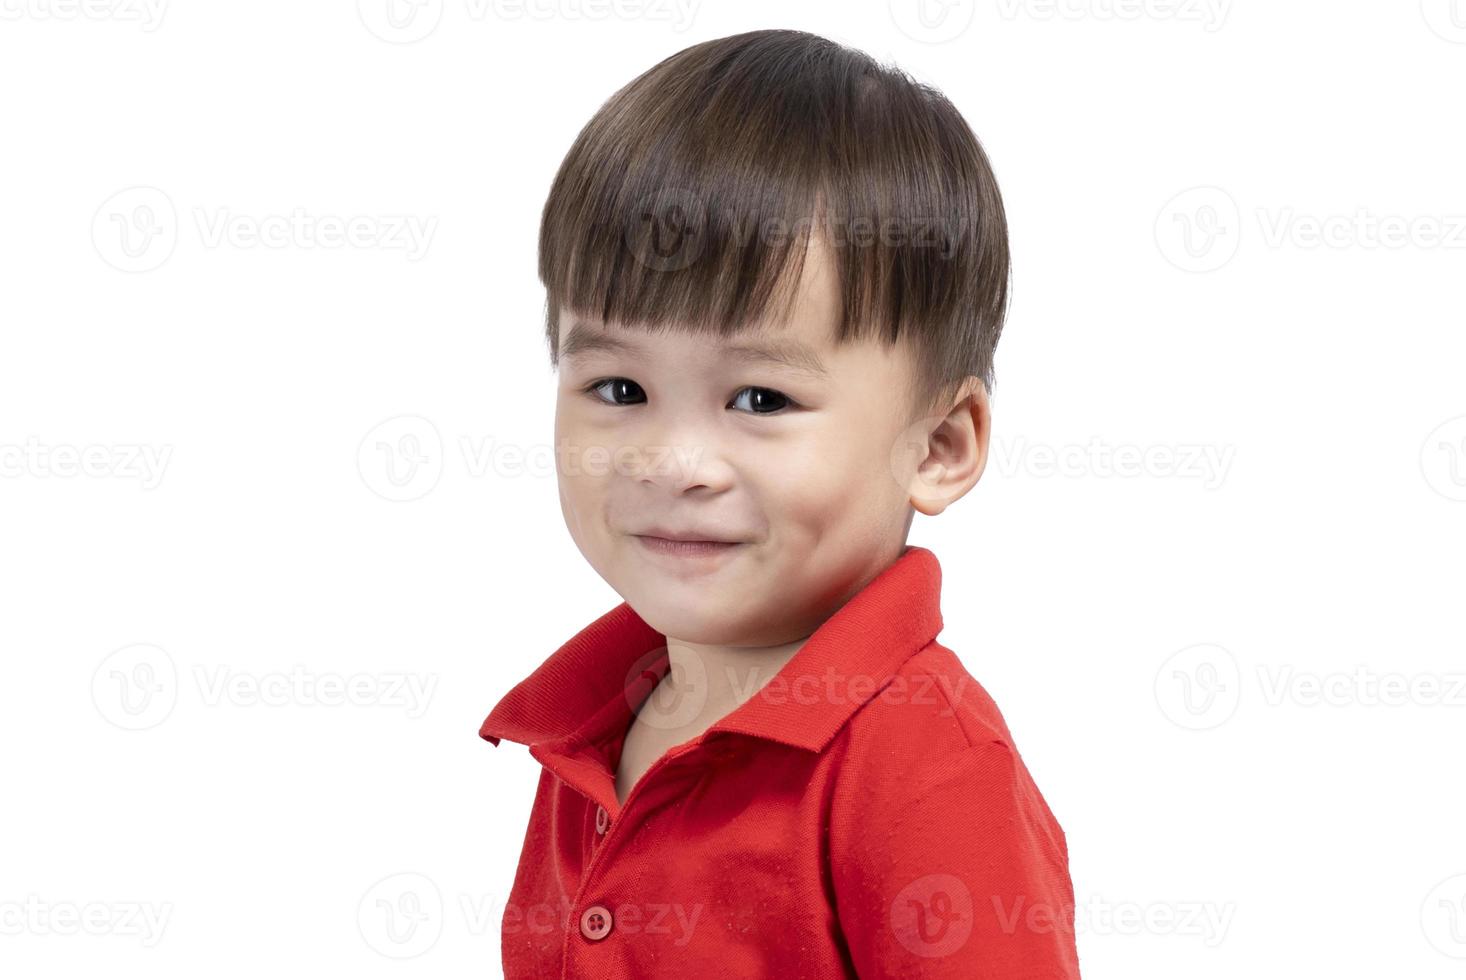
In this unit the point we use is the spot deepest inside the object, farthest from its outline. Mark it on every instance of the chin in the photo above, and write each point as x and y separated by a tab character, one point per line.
698	619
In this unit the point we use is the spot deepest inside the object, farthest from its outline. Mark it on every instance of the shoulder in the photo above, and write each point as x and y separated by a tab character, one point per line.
933	733
944	859
931	702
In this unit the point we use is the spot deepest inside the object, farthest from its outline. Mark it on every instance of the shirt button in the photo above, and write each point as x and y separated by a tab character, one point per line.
603	820
595	922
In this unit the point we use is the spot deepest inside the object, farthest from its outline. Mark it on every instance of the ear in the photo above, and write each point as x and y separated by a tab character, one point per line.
955	451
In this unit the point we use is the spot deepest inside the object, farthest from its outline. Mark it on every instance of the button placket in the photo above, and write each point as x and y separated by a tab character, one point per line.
596	921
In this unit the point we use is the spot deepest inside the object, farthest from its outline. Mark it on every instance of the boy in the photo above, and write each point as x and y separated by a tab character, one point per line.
776	275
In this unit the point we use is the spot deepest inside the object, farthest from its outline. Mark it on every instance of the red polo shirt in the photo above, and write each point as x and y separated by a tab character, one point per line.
864	814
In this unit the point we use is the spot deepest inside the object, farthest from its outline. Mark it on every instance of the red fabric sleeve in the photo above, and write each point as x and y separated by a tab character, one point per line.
952	865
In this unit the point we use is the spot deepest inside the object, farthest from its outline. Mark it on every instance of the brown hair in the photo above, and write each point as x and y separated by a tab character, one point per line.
685	197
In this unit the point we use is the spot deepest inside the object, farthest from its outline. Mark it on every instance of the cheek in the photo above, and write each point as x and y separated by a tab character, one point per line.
817	480
842	473
576	482
571	508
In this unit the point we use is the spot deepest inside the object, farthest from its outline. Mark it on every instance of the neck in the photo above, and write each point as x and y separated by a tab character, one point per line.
709	681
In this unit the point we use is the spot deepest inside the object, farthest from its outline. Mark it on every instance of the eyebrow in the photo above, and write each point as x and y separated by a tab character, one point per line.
581	340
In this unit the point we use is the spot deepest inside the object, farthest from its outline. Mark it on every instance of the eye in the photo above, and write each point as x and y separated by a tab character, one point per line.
620	388
763	401
624	391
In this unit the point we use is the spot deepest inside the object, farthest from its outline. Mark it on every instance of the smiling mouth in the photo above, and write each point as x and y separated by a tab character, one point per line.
686	549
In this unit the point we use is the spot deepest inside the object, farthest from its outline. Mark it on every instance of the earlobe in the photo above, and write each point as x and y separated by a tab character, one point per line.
955	451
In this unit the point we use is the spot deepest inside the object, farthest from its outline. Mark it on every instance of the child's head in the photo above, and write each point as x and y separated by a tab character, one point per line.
776	275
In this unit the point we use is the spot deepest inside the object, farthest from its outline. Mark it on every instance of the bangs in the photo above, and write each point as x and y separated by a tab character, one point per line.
688	202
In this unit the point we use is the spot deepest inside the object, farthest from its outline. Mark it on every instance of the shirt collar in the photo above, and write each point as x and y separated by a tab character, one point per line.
596	680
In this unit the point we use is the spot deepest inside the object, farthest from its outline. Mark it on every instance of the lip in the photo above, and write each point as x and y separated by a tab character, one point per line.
667	534
686	548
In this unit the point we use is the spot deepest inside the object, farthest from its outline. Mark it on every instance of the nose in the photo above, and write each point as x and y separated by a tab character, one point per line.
682	455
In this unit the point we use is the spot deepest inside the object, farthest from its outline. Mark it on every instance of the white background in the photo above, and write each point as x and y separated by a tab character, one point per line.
1197	659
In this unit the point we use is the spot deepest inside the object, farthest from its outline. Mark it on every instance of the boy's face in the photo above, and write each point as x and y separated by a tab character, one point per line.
791	464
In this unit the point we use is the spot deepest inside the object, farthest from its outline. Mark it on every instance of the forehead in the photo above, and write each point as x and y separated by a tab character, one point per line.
805	341
796	347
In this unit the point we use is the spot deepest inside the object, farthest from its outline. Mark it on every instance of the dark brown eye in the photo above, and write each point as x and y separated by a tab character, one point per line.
762	401
620	388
